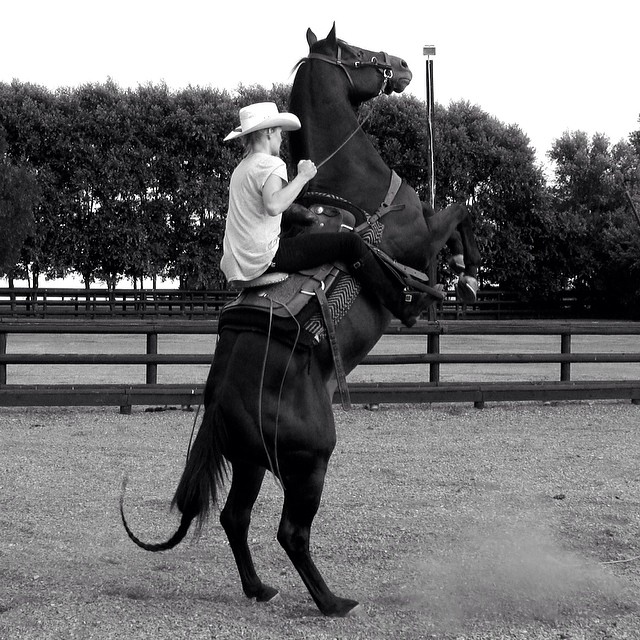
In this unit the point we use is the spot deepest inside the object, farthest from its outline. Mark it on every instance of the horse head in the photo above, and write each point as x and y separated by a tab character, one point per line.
368	73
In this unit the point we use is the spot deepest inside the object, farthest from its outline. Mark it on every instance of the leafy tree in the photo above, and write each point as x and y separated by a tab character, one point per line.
18	197
31	122
600	237
478	160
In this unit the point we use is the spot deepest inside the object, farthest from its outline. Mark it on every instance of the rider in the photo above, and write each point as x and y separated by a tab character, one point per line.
260	192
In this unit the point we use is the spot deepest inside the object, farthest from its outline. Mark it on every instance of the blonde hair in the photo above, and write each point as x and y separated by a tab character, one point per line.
249	139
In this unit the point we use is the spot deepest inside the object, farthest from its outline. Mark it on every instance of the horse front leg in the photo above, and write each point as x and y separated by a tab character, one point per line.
450	234
467	285
301	501
453	226
235	519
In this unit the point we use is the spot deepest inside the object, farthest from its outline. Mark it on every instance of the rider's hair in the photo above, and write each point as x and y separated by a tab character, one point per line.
249	139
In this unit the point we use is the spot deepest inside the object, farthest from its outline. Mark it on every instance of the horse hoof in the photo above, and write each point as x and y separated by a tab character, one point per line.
467	288
457	263
265	594
343	607
357	612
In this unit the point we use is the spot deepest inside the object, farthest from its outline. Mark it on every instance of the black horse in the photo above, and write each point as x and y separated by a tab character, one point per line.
268	407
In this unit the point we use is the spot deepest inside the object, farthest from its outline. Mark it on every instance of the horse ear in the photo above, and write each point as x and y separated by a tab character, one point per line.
311	37
331	38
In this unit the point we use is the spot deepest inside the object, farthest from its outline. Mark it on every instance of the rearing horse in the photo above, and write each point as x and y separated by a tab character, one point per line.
268	406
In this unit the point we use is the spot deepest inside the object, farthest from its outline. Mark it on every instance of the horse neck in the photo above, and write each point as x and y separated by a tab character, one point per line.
356	172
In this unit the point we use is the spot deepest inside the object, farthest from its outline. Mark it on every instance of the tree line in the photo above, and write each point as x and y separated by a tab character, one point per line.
113	183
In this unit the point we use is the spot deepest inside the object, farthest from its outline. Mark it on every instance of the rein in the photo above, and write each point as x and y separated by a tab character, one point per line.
353	133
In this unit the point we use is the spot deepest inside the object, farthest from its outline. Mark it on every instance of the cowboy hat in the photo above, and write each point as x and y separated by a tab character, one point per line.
263	115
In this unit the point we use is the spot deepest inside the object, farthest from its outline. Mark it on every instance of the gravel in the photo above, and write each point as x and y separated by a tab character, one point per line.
520	520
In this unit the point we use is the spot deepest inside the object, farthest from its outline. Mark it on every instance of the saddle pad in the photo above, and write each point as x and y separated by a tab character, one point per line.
260	310
283	299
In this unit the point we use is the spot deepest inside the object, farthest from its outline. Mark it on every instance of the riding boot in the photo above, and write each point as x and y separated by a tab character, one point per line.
389	291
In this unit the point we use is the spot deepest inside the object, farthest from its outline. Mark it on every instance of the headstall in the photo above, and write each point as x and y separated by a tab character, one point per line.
384	67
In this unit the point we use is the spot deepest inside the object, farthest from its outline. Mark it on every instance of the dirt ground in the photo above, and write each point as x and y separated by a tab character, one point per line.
520	520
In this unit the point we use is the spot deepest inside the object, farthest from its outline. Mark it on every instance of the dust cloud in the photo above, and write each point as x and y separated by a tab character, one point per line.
511	574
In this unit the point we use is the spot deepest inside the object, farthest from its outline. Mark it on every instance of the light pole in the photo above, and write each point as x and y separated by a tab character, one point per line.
429	51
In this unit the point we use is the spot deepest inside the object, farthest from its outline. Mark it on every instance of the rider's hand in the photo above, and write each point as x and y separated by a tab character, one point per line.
306	169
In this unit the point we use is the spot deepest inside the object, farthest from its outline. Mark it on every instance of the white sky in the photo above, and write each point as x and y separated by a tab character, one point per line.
548	66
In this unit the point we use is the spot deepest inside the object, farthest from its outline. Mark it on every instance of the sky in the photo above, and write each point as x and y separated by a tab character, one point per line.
547	66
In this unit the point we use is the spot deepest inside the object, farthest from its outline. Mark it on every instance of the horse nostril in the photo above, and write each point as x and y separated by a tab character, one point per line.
403	64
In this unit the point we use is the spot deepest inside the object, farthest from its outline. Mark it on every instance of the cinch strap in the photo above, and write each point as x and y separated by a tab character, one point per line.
335	350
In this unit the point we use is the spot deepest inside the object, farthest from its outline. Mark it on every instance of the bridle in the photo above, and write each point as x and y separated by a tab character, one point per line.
385	67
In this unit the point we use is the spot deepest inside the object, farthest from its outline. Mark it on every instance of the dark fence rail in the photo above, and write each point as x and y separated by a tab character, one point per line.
102	303
433	390
160	303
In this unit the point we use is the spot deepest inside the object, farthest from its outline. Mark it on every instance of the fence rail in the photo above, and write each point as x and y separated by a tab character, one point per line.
52	303
433	390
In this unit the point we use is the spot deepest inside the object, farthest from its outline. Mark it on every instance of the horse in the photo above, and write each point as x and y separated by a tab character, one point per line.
268	406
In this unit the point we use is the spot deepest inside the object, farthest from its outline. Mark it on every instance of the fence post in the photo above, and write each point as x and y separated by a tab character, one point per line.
565	347
3	365
433	346
152	367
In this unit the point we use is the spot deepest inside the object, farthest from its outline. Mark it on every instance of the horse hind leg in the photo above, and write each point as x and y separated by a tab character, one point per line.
235	518
301	501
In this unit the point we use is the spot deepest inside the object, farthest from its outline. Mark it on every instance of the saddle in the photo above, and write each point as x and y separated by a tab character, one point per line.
283	297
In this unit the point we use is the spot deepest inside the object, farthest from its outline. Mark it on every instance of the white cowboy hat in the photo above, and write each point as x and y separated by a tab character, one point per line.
263	115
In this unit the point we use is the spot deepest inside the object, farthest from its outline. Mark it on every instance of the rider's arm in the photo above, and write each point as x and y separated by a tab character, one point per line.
278	195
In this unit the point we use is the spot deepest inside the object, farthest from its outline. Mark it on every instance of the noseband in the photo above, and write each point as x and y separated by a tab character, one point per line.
385	67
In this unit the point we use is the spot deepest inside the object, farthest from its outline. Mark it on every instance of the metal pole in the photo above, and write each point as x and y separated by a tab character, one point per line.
430	50
433	340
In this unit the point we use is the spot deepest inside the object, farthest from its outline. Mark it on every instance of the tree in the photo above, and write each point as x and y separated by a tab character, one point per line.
478	160
18	197
600	237
31	122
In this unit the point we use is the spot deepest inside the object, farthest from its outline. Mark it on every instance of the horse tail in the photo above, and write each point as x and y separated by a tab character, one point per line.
204	473
176	538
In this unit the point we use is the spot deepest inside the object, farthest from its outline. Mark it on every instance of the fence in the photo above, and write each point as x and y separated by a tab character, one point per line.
165	304
150	392
102	303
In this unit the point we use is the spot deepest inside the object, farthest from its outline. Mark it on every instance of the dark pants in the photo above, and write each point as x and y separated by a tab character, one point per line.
315	249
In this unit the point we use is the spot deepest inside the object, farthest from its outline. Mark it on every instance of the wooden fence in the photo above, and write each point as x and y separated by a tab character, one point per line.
198	305
150	392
